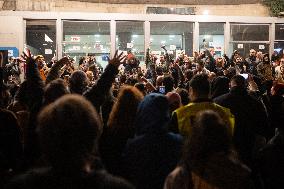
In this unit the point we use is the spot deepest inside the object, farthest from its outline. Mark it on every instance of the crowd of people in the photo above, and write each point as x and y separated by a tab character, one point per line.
176	123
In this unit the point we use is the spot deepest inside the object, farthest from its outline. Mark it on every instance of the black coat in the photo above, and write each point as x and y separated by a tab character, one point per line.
270	163
251	120
54	179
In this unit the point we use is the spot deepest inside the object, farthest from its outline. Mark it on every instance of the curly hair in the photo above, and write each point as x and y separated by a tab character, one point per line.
123	113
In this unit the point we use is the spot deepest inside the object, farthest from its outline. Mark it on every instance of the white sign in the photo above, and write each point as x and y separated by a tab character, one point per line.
156	52
240	46
77	48
173	47
10	53
211	44
48	51
75	39
130	45
261	47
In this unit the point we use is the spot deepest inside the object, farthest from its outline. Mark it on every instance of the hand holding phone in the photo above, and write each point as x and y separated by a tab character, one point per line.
162	90
246	76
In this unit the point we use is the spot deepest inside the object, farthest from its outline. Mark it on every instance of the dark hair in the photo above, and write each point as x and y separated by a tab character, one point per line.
220	85
54	90
141	88
78	82
168	82
183	95
189	74
68	132
200	62
210	135
239	81
200	84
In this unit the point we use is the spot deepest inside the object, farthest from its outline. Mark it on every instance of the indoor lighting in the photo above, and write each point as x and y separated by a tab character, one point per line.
134	36
205	12
97	35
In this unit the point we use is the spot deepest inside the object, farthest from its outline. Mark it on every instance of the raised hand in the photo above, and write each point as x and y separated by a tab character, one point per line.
117	59
63	60
27	57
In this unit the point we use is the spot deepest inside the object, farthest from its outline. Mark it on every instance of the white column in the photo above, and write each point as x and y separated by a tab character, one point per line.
227	35
112	37
146	36
271	38
196	37
59	38
24	36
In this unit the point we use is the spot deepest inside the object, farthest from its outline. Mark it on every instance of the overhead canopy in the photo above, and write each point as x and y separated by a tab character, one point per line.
178	2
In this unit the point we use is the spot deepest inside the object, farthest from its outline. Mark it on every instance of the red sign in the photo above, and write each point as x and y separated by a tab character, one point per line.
75	39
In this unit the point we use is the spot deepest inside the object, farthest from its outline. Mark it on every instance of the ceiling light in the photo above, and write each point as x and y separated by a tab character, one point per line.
205	12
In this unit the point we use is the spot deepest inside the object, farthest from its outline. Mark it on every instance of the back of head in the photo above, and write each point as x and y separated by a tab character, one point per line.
78	82
200	84
141	88
183	95
68	132
168	82
210	135
238	81
174	100
153	114
220	86
231	72
278	89
54	90
124	110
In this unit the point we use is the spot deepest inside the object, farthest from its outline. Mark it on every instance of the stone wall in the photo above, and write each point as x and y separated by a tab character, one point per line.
231	9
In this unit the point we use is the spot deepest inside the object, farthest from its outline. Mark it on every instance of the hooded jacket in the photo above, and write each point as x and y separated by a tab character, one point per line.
154	152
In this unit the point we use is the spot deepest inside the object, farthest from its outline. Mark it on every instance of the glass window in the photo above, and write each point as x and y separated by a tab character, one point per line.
130	37
278	46
211	35
82	38
279	32
249	36
175	36
41	38
244	48
245	32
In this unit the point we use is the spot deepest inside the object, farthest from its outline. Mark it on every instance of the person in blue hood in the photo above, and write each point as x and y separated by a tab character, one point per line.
154	152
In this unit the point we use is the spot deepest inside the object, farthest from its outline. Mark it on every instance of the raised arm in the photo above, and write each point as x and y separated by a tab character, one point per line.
32	73
34	90
54	72
97	94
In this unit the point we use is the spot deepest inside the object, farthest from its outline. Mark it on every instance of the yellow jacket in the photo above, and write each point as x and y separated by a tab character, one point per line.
186	115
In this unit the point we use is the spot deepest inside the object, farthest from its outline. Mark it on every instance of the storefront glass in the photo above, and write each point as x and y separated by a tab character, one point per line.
177	37
41	38
83	38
